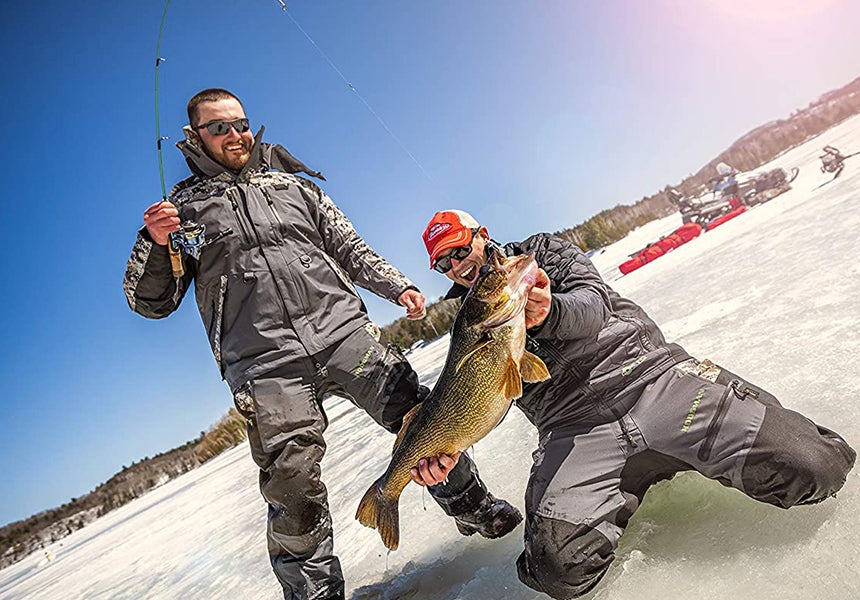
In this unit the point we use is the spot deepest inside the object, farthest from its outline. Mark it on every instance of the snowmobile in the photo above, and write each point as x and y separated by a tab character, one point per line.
730	190
701	209
833	161
767	186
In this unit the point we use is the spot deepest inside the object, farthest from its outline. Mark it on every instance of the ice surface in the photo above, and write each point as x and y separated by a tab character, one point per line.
774	295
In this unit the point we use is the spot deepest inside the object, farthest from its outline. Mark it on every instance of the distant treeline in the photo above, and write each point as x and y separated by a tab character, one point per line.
611	225
21	538
750	151
404	333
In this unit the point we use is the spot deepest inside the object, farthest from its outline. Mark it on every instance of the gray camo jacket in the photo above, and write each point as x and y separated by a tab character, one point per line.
274	281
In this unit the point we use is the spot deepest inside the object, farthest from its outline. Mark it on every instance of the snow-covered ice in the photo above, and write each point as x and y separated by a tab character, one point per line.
774	295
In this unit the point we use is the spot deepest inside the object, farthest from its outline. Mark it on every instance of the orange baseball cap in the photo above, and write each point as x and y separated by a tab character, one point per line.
448	229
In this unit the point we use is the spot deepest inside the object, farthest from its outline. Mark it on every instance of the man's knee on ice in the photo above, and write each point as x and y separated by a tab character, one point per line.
298	531
561	559
794	461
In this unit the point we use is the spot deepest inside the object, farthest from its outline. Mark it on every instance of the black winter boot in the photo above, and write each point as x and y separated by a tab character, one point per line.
492	518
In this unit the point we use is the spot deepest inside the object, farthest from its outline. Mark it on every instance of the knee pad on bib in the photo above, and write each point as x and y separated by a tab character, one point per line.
562	559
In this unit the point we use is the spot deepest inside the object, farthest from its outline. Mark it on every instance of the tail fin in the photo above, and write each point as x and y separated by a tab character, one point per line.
380	513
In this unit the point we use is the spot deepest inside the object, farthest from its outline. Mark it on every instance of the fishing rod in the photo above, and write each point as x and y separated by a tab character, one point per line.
190	236
175	256
158	137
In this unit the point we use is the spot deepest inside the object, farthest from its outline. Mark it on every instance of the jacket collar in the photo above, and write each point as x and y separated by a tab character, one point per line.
263	156
204	166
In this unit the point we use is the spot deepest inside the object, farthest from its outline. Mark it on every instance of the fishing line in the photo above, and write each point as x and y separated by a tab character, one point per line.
357	93
430	320
159	59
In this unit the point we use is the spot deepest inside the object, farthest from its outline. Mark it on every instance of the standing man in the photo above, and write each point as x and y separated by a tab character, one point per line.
273	281
624	409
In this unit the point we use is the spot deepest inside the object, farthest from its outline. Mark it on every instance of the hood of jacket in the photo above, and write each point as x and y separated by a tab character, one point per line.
263	156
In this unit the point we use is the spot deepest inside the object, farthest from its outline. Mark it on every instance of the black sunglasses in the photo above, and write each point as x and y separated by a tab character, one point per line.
222	127
443	263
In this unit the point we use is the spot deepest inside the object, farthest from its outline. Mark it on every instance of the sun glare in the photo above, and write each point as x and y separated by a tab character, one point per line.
767	10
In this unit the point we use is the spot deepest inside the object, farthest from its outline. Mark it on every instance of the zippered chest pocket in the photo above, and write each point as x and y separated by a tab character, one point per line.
244	228
288	214
272	207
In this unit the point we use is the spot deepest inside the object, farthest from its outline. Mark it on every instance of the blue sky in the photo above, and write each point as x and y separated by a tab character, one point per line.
531	115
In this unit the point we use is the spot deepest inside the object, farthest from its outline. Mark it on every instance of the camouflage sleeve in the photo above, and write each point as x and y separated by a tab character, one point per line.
149	285
342	242
580	298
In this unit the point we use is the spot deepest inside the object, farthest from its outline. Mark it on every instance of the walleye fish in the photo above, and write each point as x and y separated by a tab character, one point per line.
483	374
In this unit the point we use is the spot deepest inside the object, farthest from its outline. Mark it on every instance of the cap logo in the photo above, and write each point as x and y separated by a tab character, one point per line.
436	229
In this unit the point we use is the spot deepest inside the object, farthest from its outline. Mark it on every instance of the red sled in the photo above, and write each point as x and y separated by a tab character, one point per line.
726	217
670	242
687	232
631	265
652	253
679	237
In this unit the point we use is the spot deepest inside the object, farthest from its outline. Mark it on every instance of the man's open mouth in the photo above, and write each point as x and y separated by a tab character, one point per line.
468	272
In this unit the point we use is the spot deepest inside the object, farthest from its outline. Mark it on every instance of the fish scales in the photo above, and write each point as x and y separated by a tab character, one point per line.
483	374
463	424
